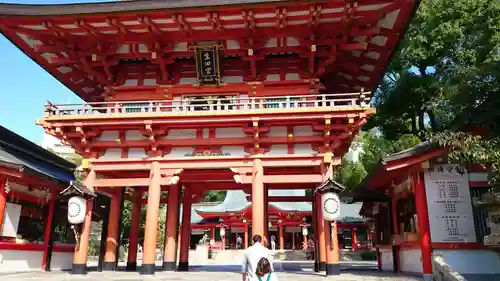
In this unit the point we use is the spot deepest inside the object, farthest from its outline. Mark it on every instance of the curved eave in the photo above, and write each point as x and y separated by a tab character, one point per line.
123	6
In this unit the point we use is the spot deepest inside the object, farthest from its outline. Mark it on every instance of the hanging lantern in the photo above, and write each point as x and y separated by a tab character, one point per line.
222	231
331	206
77	208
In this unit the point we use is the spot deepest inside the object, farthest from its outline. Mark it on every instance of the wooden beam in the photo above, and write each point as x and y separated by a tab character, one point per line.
286	198
11	172
131	182
269	179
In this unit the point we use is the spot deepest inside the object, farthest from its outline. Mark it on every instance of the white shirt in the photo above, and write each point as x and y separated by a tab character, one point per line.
252	257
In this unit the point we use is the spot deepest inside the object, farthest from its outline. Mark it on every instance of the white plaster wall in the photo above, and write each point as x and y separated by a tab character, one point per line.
277	149
206	133
20	261
61	261
304	131
303	149
181	134
411	261
293	229
134	135
237	230
179	152
387	260
472	261
187	80
108	136
232	45
277	132
229	133
292	76
131	82
232	79
137	153
273	77
234	150
112	153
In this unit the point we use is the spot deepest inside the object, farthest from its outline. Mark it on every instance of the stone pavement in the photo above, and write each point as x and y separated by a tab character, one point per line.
294	272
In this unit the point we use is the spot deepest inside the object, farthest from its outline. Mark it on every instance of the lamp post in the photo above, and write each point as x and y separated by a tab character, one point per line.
330	203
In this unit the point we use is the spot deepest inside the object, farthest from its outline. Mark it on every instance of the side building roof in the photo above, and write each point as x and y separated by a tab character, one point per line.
23	155
236	201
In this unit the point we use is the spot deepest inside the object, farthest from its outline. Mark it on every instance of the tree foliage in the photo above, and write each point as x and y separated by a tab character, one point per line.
442	85
450	49
214	196
373	146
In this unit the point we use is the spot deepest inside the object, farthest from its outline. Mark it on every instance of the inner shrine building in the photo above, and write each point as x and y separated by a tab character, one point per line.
179	99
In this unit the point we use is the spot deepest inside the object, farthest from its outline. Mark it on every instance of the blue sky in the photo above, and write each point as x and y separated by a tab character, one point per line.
25	87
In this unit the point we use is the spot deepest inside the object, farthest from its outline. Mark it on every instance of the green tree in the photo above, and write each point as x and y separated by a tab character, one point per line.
374	145
214	196
442	85
447	44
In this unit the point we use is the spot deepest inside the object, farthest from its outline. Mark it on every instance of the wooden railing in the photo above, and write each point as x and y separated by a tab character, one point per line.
224	104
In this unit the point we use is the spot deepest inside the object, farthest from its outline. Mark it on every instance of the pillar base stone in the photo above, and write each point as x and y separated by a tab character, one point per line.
108	266
79	269
332	269
322	266
169	266
316	266
183	266
131	266
148	269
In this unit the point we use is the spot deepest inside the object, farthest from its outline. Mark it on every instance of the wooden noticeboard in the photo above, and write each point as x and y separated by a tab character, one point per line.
449	204
11	220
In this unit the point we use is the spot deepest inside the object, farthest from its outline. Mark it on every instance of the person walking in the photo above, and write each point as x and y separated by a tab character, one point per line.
264	271
252	257
273	243
239	242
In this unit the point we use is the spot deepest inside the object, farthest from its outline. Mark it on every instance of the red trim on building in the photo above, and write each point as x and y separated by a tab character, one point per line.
63	248
21	247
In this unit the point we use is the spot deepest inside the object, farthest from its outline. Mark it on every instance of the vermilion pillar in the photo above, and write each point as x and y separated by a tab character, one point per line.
282	240
423	224
3	200
245	237
212	234
135	222
332	249
258	206
321	233
170	251
80	256
395	228
152	214
354	239
185	231
48	229
113	228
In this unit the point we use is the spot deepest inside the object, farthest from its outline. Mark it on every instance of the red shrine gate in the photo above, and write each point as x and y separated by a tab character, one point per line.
254	95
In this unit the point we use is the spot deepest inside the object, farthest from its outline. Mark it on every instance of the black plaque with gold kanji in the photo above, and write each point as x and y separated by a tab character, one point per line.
207	64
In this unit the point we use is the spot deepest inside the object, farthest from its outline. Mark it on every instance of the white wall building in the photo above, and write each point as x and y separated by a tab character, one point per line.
53	143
